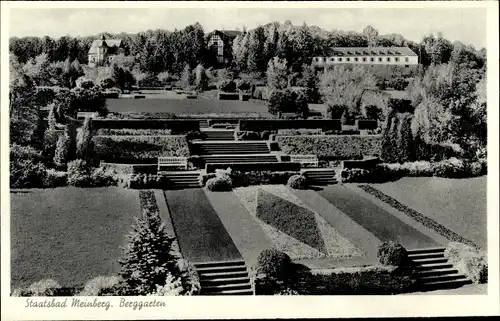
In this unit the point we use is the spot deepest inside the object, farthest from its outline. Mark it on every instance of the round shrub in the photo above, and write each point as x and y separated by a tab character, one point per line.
297	182
273	263
46	287
100	286
391	253
190	277
227	85
219	184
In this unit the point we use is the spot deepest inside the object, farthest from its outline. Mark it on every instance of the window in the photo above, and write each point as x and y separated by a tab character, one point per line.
407	66
396	59
388	59
356	59
372	59
348	59
407	59
340	59
380	59
364	59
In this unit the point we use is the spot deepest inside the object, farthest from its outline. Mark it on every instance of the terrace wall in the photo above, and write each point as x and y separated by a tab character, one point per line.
175	125
276	124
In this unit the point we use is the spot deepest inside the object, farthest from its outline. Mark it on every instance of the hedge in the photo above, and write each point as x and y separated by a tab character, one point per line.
228	96
252	166
232	121
119	149
361	163
276	124
131	168
366	124
132	132
331	146
176	125
356	281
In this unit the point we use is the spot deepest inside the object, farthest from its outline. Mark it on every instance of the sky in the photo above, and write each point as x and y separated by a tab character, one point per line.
467	25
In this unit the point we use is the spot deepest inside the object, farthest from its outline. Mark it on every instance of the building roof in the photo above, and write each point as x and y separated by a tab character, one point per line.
231	34
104	42
372	51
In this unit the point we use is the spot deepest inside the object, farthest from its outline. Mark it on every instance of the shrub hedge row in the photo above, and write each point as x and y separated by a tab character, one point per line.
424	220
131	168
331	146
249	167
133	132
118	149
177	126
276	124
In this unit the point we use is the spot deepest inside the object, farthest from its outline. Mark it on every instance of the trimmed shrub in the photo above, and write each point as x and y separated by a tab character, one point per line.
45	287
274	264
55	178
85	145
228	96
61	156
297	182
177	126
227	85
391	253
78	173
468	261
219	184
203	178
101	286
190	277
119	149
333	146
26	174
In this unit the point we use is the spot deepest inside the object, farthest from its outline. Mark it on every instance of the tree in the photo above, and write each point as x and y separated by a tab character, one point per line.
277	74
122	77
288	101
85	145
342	86
371	35
309	80
256	60
201	79
240	50
187	77
148	260
63	146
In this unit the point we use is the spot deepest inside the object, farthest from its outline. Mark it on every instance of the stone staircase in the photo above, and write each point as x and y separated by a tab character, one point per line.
224	278
434	272
182	180
222	148
217	135
249	158
203	123
320	176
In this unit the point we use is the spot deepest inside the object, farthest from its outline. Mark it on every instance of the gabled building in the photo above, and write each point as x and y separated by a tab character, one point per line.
220	44
102	51
402	56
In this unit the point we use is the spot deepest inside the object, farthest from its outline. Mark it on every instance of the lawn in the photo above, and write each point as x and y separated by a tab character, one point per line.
189	106
458	204
382	224
201	235
69	234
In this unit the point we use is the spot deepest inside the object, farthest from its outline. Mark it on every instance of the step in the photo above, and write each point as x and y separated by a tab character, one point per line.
425	255
438	271
430	261
220	263
223	287
221	269
207	275
233	292
433	266
228	280
427	250
439	278
444	284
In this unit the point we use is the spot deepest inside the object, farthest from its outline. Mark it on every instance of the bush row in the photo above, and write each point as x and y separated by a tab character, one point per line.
451	168
334	146
424	220
133	132
250	167
177	126
116	149
469	261
276	124
127	169
239	178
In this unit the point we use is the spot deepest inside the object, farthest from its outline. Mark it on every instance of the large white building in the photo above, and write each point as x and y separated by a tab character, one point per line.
403	56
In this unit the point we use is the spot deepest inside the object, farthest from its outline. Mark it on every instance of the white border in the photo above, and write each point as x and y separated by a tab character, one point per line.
272	307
